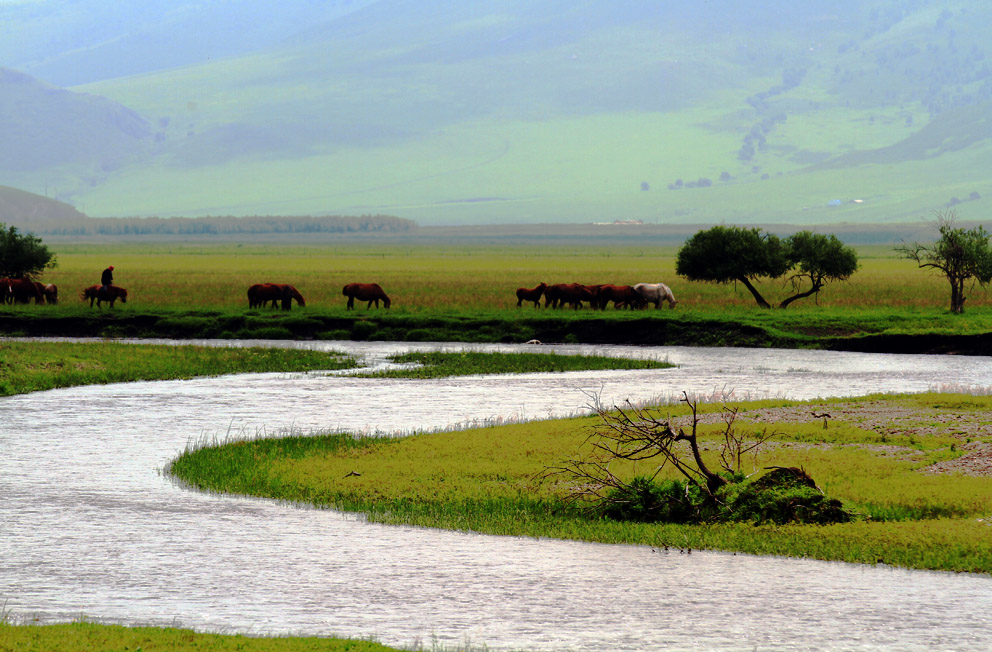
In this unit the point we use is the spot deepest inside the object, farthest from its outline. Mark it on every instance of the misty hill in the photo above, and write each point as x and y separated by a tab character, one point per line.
510	111
28	211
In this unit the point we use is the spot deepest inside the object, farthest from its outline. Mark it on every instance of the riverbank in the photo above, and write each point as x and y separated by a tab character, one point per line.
871	331
914	469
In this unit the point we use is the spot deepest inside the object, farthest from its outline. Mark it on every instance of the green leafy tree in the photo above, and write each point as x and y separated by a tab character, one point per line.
817	259
729	253
960	254
23	255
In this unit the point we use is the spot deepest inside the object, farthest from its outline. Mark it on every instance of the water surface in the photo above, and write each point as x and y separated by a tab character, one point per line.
90	527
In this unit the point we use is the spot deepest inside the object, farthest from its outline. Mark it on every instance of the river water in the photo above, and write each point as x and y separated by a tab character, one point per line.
90	527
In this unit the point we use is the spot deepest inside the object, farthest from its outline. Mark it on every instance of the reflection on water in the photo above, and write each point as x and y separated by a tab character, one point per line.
89	526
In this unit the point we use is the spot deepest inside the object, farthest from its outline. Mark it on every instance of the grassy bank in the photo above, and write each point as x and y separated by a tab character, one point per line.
84	637
876	457
466	292
34	366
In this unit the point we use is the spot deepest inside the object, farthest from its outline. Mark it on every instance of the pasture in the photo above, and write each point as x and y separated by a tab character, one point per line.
422	277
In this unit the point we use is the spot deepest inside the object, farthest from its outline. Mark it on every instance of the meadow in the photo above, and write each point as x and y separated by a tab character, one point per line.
458	277
890	460
465	291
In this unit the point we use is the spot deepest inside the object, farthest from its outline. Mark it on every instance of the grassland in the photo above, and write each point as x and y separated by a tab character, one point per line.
84	637
879	455
466	292
35	366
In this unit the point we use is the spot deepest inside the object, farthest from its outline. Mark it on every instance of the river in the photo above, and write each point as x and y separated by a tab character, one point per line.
90	527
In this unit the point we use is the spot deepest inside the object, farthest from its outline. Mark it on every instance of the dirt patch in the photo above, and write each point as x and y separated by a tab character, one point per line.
888	418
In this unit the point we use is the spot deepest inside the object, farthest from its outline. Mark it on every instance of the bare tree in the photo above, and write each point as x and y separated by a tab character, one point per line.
634	434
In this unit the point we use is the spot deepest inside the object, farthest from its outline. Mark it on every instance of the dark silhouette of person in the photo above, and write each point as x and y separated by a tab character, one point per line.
106	279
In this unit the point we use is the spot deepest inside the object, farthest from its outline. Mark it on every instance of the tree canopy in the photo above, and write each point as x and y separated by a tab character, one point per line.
723	254
23	255
959	253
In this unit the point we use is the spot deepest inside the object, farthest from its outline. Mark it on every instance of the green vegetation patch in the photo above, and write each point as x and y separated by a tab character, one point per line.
438	364
914	501
34	366
83	637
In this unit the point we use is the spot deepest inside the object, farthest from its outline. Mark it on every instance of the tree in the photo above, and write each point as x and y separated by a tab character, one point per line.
23	255
960	254
728	253
819	259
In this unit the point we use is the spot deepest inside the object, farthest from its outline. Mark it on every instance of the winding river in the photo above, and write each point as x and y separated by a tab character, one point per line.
90	527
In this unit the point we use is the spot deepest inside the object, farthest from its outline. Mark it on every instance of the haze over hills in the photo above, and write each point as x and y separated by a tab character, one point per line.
505	111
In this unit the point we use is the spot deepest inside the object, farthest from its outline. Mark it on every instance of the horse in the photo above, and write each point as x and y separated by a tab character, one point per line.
571	293
98	294
533	294
22	290
52	293
370	292
656	293
282	293
6	292
622	296
41	292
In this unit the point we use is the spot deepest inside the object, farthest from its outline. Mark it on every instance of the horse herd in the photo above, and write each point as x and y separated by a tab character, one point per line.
597	296
22	290
283	294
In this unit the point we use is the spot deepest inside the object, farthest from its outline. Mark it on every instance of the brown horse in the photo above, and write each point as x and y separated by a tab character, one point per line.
22	290
532	294
282	293
6	292
570	293
622	296
97	293
52	293
370	292
41	292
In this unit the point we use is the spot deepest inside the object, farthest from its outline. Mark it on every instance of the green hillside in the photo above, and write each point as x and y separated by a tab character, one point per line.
576	112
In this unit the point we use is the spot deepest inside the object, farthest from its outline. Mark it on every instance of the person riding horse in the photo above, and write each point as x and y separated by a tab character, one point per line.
106	279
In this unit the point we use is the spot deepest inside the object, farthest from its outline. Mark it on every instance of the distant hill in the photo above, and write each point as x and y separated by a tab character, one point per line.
506	112
30	212
48	127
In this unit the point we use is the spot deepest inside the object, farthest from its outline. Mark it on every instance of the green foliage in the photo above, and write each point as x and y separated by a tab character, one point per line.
960	254
818	259
23	255
777	497
723	254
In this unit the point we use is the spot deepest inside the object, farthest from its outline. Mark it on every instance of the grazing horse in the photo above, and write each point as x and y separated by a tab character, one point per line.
98	294
532	294
370	292
571	293
41	292
52	293
6	292
281	293
21	290
622	296
656	293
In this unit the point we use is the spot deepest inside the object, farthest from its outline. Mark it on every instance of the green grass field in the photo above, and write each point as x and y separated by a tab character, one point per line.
466	278
873	456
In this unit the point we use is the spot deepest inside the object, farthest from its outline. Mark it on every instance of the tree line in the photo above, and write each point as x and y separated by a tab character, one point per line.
228	225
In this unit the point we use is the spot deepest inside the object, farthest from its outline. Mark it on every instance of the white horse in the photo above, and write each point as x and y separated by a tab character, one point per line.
655	293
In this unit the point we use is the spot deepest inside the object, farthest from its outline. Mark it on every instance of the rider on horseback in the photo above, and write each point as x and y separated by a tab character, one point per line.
106	279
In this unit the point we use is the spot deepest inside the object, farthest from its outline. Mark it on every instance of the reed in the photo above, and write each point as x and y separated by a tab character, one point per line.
439	364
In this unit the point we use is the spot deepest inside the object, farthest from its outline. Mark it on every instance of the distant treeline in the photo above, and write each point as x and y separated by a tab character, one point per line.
226	224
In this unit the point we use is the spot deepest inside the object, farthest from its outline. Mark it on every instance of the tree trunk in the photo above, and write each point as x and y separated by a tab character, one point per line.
957	295
754	291
802	295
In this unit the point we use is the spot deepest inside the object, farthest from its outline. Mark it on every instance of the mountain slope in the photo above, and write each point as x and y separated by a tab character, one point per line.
509	111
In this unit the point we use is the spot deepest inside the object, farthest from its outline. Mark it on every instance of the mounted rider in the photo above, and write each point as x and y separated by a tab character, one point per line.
106	279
